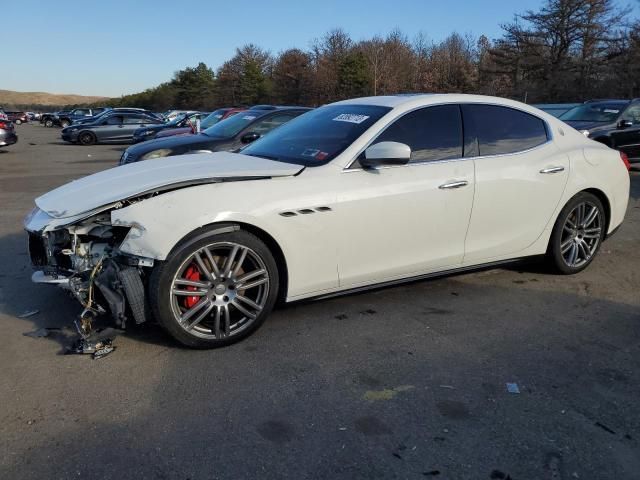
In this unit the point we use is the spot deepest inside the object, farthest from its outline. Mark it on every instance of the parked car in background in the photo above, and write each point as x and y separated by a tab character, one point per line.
116	127
17	117
188	121
616	123
172	114
210	121
556	109
64	119
7	132
117	109
3	116
353	195
48	119
231	134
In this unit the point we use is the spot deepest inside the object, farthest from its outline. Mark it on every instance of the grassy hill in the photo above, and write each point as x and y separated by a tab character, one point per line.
10	99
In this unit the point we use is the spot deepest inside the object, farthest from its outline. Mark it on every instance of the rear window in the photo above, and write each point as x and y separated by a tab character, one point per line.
501	130
234	125
595	112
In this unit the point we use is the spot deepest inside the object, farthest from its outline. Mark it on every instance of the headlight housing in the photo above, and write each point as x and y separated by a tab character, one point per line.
585	132
163	152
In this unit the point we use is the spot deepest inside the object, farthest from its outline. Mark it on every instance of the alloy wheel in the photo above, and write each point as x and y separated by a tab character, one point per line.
219	290
581	234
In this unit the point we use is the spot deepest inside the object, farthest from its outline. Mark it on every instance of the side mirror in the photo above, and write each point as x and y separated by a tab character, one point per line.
386	153
625	124
249	137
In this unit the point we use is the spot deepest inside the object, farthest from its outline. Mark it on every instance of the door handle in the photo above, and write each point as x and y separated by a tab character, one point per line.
450	185
552	170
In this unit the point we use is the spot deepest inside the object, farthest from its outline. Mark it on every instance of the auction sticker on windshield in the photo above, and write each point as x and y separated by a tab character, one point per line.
248	117
351	118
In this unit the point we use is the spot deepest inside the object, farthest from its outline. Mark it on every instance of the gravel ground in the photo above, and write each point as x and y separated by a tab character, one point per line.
404	382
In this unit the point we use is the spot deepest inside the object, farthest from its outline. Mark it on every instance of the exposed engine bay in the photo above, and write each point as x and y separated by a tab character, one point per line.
84	259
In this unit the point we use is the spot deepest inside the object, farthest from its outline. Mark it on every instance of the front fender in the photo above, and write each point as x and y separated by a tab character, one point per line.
307	242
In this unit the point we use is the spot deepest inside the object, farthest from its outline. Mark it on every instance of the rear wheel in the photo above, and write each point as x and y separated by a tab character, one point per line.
215	289
87	138
65	123
577	234
18	121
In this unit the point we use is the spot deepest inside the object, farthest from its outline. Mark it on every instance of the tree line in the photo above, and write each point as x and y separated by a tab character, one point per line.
567	51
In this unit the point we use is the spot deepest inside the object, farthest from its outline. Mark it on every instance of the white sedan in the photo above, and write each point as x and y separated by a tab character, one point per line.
349	196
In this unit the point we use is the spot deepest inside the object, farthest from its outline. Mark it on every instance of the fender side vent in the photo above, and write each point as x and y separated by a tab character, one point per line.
288	214
306	211
323	209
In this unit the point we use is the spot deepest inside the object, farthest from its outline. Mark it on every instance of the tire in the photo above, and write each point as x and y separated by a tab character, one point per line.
48	123
64	123
134	291
18	122
571	250
223	312
86	138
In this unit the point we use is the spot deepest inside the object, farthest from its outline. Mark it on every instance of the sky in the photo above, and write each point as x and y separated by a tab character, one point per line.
115	47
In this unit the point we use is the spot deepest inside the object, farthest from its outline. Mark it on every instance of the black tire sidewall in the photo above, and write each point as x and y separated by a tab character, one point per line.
87	135
554	252
163	273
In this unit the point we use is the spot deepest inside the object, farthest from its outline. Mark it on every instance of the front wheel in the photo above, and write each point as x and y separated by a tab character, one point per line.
215	289
48	123
65	123
87	138
18	122
577	234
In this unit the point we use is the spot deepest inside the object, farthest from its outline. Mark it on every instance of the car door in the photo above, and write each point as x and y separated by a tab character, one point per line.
627	137
402	221
110	128
520	178
131	122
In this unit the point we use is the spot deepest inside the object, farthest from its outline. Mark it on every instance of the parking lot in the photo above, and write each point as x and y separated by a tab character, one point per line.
402	382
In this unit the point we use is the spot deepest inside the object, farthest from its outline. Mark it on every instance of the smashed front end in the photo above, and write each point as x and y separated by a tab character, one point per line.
81	254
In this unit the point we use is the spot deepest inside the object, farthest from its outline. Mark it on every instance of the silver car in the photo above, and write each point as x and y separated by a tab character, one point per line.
114	128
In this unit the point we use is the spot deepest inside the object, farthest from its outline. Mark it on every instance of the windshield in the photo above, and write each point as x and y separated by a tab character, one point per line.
212	118
318	136
595	112
177	120
234	125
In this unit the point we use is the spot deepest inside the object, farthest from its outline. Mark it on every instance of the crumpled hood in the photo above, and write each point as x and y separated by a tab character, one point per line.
110	186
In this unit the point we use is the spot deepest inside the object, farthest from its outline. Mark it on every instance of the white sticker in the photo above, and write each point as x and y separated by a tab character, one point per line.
248	117
609	110
217	116
310	152
351	118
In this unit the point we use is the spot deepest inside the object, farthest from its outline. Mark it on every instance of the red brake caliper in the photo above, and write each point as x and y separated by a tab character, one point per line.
192	273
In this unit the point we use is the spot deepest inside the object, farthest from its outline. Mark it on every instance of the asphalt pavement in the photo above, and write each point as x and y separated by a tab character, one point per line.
402	382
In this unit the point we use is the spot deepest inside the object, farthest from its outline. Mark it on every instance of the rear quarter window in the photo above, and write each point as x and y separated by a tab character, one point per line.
502	130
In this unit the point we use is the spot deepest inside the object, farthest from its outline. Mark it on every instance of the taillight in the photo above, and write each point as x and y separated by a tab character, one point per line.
4	125
625	160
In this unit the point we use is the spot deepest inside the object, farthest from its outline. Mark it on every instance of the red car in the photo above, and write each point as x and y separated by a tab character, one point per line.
213	118
17	117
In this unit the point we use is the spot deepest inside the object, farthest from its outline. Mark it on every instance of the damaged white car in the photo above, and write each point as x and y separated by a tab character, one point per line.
351	195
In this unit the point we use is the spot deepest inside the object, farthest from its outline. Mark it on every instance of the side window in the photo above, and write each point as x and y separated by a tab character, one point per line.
115	120
433	133
632	114
134	120
266	125
502	130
